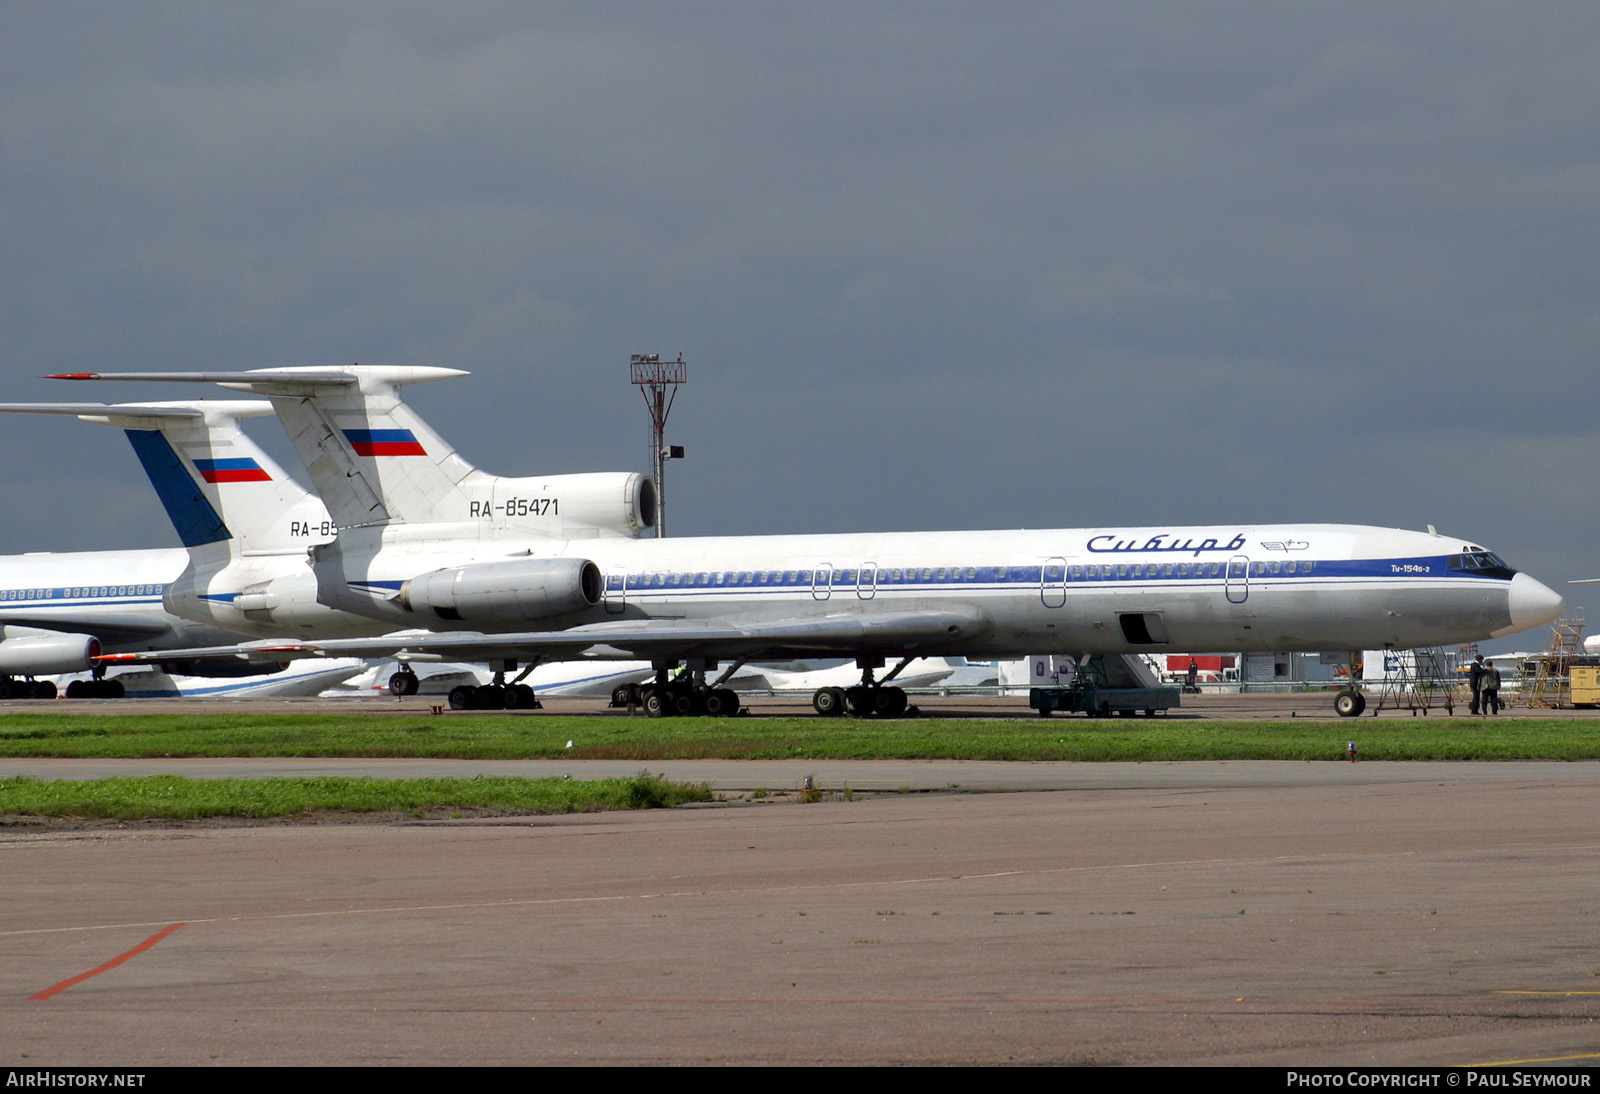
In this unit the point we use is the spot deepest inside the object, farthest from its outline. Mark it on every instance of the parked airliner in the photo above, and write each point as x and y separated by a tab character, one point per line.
61	610
552	568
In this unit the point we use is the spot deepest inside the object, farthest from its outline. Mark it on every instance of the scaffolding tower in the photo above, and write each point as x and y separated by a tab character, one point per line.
658	382
1422	681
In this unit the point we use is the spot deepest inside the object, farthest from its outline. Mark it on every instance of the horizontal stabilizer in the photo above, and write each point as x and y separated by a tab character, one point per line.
290	381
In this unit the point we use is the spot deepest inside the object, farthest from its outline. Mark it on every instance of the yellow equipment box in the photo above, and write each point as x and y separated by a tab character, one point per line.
1585	685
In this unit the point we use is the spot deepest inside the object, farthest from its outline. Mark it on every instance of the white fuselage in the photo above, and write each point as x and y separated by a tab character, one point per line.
112	596
1304	587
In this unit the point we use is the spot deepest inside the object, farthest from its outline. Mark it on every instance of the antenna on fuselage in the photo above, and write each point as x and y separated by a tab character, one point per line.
654	377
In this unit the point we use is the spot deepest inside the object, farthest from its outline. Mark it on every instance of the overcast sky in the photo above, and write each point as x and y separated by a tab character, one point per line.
932	266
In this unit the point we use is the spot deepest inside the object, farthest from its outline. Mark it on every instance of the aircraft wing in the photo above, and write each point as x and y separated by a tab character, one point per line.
896	633
118	632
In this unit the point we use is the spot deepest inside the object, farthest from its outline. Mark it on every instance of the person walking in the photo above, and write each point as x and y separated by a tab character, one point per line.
1476	679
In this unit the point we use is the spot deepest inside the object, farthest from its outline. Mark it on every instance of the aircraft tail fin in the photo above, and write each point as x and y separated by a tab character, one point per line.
373	460
215	483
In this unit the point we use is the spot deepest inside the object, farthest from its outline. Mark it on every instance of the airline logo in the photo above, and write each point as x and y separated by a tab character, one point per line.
241	469
384	442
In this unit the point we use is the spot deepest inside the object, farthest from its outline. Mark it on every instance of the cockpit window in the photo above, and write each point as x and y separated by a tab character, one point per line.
1481	564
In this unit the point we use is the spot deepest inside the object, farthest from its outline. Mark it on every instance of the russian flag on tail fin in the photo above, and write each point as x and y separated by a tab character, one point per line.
384	442
241	469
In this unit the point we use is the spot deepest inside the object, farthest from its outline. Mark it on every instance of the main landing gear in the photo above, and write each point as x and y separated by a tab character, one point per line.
868	699
498	695
686	695
11	688
404	683
95	689
495	696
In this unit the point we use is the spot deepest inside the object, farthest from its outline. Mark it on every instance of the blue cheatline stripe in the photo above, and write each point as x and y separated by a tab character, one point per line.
847	579
191	514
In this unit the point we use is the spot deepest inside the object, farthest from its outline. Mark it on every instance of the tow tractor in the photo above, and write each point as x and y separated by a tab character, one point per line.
1100	686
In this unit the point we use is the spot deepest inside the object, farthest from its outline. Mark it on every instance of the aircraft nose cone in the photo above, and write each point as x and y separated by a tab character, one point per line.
1531	603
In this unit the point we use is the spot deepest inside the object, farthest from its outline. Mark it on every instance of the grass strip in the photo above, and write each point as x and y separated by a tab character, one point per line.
587	737
169	797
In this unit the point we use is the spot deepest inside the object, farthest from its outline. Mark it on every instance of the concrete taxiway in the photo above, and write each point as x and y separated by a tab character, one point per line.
1185	913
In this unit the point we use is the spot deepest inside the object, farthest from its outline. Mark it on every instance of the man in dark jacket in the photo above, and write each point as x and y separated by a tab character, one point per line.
1490	702
1476	679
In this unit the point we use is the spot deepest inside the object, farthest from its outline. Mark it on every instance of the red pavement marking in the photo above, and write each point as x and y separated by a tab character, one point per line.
113	963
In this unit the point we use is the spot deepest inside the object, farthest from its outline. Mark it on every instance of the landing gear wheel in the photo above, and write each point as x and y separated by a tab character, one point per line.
463	698
624	695
721	702
655	704
888	702
857	701
1349	704
828	702
685	704
403	683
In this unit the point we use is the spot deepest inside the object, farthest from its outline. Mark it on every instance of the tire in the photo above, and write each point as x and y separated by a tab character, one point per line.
524	696
889	702
828	702
463	698
402	684
721	703
857	702
624	695
654	704
1349	704
685	704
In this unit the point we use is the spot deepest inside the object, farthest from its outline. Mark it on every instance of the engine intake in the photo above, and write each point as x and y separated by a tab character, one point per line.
527	590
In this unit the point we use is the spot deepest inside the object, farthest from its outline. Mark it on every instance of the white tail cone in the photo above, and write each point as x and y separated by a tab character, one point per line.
1531	602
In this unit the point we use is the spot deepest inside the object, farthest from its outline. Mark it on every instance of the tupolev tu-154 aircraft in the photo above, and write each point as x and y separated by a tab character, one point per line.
521	571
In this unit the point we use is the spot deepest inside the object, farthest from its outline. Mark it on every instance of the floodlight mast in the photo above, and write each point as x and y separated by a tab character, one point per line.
654	377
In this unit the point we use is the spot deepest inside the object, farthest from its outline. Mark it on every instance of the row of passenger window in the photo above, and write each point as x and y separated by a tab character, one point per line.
1168	570
808	578
78	593
947	574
